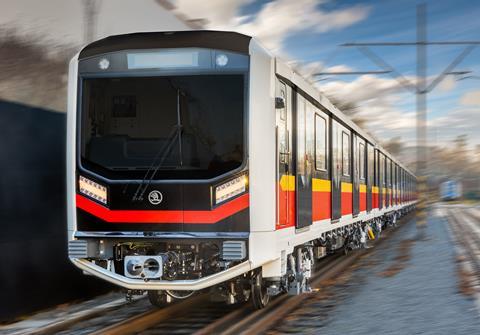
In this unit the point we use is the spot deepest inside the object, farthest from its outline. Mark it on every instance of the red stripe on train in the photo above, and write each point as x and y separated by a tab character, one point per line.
363	201
321	205
163	216
375	200
347	206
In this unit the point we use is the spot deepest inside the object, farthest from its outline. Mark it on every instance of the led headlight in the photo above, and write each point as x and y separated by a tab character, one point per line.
92	189
230	189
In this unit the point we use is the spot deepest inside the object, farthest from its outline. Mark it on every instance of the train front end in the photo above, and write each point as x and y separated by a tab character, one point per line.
158	178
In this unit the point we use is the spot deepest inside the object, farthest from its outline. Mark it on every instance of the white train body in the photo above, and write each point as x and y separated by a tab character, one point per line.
302	172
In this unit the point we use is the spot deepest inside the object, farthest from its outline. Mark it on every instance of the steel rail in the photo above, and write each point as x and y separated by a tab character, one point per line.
242	320
264	319
151	317
465	239
234	322
246	321
56	324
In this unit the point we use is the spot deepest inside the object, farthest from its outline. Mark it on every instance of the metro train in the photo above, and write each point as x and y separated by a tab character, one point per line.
450	190
196	160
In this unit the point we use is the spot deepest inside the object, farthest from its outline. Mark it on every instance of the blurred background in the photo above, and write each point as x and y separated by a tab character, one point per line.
376	87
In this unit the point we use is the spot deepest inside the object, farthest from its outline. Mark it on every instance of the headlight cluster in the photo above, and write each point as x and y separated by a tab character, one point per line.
230	189
92	189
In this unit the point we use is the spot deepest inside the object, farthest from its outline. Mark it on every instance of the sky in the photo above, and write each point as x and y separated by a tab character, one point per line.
58	22
309	33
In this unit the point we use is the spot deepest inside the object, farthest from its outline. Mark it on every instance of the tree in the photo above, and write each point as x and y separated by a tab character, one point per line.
33	73
350	109
394	146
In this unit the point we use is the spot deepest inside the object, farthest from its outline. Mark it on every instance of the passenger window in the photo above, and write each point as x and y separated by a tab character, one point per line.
346	153
320	142
361	160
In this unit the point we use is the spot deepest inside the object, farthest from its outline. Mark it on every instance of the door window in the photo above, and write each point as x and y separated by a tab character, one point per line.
320	143
361	160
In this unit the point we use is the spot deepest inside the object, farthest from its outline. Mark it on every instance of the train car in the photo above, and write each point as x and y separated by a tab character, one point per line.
450	190
199	161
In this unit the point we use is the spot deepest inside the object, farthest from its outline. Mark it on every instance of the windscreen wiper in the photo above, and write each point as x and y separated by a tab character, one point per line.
162	154
157	162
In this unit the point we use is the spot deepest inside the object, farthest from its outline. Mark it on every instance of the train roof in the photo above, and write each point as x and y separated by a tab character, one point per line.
229	41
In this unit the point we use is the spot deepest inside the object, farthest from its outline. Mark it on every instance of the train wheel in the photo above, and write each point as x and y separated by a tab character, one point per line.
158	298
260	298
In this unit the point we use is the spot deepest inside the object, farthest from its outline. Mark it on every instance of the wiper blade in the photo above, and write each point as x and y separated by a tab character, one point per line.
176	134
157	163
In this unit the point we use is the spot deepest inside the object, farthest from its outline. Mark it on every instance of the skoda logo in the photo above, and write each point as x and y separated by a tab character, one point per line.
155	197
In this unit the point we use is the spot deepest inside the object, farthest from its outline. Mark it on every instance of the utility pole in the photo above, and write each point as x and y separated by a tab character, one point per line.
421	101
90	10
420	88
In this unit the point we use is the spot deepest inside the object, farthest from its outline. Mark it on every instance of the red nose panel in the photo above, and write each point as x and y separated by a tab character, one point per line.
163	216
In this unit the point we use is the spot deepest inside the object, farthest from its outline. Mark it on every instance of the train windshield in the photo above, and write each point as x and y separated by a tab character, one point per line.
190	127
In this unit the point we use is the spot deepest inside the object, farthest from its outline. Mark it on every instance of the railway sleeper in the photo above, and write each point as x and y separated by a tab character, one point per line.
253	287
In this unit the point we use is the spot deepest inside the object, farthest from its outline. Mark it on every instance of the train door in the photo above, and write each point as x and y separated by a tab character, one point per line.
321	184
304	154
370	175
402	194
341	171
406	186
401	185
336	171
400	200
356	175
388	182
394	184
285	184
381	180
362	174
397	189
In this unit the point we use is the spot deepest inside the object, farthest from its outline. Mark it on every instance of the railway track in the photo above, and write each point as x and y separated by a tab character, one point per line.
475	218
468	240
61	318
194	315
197	315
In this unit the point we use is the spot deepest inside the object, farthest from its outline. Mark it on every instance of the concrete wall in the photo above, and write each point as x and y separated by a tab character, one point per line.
35	272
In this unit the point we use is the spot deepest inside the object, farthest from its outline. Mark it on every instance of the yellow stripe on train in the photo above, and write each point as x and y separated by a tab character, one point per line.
375	189
287	183
321	185
347	187
363	188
